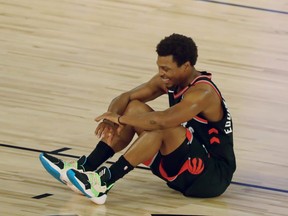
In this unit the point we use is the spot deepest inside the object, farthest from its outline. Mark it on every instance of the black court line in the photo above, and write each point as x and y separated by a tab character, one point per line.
60	150
38	150
64	215
140	167
41	196
245	6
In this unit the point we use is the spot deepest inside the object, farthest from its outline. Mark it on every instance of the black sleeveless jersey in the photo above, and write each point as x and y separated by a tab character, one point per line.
217	137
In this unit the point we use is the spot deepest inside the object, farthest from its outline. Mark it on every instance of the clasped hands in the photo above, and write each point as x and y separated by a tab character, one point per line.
109	126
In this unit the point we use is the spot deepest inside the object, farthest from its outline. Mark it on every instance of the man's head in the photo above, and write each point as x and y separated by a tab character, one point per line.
181	48
177	55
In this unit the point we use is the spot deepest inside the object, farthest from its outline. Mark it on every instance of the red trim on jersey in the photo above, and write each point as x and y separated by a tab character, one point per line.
150	161
201	120
202	76
197	118
191	83
181	92
195	166
209	83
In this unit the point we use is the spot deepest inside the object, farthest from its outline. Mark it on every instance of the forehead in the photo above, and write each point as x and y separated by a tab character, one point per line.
165	60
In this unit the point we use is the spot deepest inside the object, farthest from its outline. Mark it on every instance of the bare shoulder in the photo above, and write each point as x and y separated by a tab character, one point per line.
207	99
200	89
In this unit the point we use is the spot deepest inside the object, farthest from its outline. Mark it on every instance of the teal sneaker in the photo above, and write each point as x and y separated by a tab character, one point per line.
58	168
92	184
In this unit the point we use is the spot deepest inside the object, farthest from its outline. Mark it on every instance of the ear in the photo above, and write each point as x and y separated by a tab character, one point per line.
186	65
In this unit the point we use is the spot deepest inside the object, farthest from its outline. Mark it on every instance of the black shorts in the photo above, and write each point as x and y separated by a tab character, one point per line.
190	170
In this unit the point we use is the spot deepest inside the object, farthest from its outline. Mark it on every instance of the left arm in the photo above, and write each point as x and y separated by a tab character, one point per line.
196	100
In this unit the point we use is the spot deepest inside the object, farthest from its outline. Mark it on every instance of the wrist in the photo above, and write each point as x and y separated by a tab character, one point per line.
119	121
109	122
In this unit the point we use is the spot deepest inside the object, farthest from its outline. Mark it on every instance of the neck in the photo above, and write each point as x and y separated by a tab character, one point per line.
192	75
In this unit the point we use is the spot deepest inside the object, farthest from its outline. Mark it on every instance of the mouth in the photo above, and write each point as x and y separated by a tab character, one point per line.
165	80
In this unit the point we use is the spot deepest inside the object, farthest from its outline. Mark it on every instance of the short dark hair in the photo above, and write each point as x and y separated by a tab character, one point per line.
182	49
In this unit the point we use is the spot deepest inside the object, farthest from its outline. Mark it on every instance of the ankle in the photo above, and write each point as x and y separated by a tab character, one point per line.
119	169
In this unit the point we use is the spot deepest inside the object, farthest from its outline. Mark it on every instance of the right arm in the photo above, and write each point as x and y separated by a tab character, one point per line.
145	92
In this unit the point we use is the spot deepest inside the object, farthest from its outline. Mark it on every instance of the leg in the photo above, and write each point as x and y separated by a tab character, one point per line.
96	185
148	144
106	149
103	151
121	141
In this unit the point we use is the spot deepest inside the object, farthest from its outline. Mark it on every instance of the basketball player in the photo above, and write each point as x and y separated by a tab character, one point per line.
189	145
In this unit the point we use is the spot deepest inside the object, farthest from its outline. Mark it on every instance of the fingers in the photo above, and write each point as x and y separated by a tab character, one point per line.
110	137
101	131
108	116
98	130
101	117
105	130
107	134
119	129
108	140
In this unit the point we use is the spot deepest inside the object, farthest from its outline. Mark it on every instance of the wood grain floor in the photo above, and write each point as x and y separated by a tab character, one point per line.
61	62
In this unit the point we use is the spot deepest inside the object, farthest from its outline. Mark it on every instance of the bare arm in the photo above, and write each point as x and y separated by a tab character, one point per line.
145	92
200	99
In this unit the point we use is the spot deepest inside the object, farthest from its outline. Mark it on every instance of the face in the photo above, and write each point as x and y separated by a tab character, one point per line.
170	73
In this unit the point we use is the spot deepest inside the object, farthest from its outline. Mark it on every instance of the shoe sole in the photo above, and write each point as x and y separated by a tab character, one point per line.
51	169
54	171
80	186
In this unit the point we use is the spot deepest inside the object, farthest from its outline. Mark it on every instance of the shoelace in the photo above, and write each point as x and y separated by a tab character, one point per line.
70	164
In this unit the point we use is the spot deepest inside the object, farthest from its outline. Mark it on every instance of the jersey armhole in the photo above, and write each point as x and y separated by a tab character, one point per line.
209	83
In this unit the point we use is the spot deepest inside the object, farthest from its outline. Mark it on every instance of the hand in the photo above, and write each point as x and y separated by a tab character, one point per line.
112	119
106	129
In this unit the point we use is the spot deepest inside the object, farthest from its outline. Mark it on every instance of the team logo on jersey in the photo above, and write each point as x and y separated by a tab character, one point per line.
196	166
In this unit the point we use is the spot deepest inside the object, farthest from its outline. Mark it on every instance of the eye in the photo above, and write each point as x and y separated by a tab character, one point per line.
165	69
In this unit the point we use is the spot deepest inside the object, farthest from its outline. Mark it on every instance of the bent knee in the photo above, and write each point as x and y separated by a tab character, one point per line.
136	106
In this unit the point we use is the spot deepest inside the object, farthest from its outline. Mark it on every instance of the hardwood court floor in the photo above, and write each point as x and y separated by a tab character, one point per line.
61	62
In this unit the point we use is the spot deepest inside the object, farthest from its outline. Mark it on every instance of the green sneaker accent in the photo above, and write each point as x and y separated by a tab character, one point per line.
91	184
58	168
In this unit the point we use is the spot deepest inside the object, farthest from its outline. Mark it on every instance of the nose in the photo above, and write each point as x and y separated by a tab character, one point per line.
161	71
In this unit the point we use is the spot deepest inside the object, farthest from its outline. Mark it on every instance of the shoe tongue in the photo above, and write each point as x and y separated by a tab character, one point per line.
81	161
104	173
